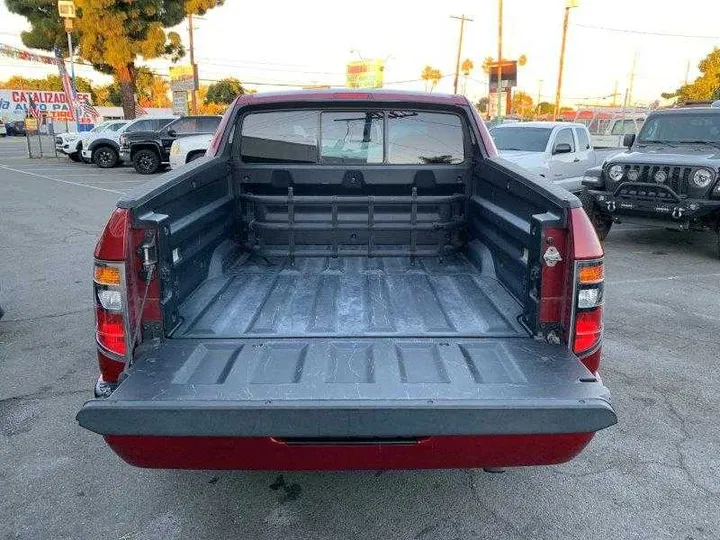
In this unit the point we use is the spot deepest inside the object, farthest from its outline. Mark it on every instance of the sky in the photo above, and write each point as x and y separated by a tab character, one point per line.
310	42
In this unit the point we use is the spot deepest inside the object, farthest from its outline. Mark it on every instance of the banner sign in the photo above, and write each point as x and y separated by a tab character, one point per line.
365	74
182	78
14	105
180	103
19	54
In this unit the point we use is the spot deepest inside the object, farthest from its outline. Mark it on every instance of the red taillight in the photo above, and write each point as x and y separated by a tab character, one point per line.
110	369
588	330
110	331
113	242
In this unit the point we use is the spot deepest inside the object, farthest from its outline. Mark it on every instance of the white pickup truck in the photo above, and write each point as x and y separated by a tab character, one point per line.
615	130
558	151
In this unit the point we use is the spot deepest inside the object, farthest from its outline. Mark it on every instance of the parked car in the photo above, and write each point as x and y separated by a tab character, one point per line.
350	280
149	151
71	142
16	127
558	151
667	177
188	149
615	131
3	130
103	149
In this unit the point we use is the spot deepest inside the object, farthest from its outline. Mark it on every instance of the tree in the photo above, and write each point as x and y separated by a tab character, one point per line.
224	91
706	86
111	34
426	75
545	107
482	105
466	67
522	104
435	77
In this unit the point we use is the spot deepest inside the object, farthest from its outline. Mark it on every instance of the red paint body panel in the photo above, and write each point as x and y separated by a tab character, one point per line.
264	453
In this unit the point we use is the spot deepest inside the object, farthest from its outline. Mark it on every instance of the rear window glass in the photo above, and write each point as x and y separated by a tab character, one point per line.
352	137
280	137
424	138
582	137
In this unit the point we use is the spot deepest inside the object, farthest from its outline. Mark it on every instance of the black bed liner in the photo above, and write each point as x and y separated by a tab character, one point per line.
350	297
352	388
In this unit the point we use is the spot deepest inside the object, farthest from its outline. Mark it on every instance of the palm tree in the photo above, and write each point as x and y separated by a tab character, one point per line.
426	75
467	66
435	77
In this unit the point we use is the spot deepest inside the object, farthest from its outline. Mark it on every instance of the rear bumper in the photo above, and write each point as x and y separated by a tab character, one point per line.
266	453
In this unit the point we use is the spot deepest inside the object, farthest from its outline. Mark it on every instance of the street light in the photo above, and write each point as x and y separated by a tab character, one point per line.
66	9
568	5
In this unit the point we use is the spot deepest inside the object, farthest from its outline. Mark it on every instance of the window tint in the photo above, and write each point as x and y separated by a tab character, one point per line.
209	124
116	126
682	128
528	139
142	125
189	124
423	138
583	141
352	137
280	137
565	136
623	127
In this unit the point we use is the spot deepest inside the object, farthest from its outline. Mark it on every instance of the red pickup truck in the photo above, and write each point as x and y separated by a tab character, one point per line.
350	280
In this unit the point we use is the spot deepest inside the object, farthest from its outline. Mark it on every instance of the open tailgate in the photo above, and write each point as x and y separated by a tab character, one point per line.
352	388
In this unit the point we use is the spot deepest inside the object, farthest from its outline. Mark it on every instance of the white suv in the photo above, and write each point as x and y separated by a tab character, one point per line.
69	143
103	149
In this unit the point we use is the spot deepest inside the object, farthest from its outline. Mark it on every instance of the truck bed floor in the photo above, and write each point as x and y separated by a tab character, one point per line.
349	297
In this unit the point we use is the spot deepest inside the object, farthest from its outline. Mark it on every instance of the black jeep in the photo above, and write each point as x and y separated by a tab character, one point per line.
150	150
667	177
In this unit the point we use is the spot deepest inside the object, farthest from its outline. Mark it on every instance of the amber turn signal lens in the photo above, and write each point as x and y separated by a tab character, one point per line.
107	275
590	275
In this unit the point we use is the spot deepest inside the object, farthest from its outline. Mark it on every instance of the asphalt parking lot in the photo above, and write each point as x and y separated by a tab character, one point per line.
656	475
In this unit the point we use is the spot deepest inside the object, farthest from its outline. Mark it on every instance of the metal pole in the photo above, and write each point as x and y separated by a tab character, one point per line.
499	66
537	105
558	92
72	80
462	20
193	94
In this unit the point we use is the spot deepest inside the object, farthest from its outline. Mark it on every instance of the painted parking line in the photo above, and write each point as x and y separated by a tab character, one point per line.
45	177
664	278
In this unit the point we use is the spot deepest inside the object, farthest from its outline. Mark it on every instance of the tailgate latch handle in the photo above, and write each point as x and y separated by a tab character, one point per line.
148	252
552	256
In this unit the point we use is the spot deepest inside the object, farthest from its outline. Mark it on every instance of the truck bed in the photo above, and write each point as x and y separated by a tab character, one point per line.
256	297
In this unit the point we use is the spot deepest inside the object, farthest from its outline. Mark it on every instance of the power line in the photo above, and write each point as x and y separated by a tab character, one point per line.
643	33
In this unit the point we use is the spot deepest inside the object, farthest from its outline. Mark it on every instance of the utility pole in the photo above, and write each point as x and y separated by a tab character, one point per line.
193	93
632	82
537	103
558	92
615	94
499	65
462	20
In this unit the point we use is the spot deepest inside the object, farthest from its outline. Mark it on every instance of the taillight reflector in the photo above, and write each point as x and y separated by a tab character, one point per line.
591	274
588	330
107	275
110	331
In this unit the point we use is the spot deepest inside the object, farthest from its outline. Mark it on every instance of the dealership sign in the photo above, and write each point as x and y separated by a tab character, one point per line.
14	105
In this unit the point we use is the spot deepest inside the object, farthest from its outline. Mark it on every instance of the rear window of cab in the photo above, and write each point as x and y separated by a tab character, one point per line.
354	137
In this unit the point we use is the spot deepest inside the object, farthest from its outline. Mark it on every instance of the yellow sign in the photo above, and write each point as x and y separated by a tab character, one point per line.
365	74
31	124
182	78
